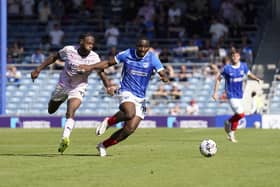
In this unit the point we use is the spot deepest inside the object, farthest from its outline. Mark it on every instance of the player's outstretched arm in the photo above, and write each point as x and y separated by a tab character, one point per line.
109	88
254	77
216	87
98	66
50	60
163	76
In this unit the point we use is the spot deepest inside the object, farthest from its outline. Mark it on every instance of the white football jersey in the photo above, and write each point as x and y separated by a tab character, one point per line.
69	77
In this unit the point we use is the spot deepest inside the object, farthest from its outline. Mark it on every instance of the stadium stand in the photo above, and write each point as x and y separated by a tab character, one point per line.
30	33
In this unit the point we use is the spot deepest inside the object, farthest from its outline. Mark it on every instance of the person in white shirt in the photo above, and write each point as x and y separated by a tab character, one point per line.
72	84
111	34
56	36
217	30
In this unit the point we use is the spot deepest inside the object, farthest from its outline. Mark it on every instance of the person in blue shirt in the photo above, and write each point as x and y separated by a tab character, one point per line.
138	66
233	74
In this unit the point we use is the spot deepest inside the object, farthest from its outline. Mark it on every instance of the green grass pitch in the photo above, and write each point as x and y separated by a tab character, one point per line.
149	158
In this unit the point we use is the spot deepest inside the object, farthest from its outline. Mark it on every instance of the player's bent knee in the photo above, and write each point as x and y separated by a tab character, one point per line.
129	130
129	115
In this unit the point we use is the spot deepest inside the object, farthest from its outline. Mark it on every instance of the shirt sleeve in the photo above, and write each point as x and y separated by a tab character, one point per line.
63	52
223	72
246	69
156	63
121	56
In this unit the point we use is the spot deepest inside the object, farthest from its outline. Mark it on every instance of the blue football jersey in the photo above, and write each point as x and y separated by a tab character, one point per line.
234	79
137	71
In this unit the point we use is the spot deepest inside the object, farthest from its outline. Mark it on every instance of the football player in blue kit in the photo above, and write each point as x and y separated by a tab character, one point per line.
233	74
138	66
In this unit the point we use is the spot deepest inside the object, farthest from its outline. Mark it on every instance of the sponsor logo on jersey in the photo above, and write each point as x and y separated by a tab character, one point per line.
139	73
145	64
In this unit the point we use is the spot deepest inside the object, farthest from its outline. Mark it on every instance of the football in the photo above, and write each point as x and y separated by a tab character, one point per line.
208	147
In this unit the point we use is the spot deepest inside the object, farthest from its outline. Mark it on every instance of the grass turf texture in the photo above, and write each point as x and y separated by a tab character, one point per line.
150	157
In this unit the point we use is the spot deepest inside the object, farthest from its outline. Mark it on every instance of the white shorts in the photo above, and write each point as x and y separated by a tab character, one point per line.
236	105
62	93
140	103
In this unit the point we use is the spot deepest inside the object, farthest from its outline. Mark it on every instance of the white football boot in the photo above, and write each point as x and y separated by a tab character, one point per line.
232	137
101	149
102	127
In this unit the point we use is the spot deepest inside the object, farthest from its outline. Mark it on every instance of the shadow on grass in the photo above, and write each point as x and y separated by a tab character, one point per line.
47	155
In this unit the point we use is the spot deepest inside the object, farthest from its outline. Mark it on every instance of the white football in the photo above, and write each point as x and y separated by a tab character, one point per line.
208	147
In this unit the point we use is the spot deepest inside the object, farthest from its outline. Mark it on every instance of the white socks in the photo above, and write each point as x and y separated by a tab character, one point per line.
69	125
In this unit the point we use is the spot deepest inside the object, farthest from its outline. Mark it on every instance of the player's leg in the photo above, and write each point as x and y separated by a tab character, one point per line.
75	99
129	127
231	125
127	112
59	95
72	105
120	135
54	105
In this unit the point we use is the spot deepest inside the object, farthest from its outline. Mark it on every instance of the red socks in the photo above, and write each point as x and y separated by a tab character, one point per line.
234	120
109	142
112	120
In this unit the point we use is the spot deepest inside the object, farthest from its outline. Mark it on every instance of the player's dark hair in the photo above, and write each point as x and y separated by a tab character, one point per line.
233	50
84	35
143	38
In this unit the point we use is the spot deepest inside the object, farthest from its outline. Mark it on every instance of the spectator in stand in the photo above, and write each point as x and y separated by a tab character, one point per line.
13	76
217	30
174	13
171	73
111	34
56	37
45	44
227	10
192	108
238	17
175	93
58	9
147	11
250	13
160	93
184	74
16	51
179	52
27	7
176	110
45	12
207	51
116	9
14	7
38	57
246	51
165	56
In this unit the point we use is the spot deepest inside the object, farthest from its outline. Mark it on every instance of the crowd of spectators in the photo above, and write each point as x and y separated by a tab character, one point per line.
202	28
200	31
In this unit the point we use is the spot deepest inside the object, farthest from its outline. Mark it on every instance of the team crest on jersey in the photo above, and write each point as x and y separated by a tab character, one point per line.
242	72
145	64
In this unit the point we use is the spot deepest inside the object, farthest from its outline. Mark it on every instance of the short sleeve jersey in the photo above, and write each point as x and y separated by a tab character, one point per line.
234	79
137	72
70	56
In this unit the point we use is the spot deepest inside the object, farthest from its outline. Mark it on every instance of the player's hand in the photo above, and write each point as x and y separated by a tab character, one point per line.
111	90
259	81
84	68
215	97
35	74
164	79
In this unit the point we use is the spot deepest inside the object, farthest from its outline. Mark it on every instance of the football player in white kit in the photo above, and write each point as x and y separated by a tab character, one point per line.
72	84
233	74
